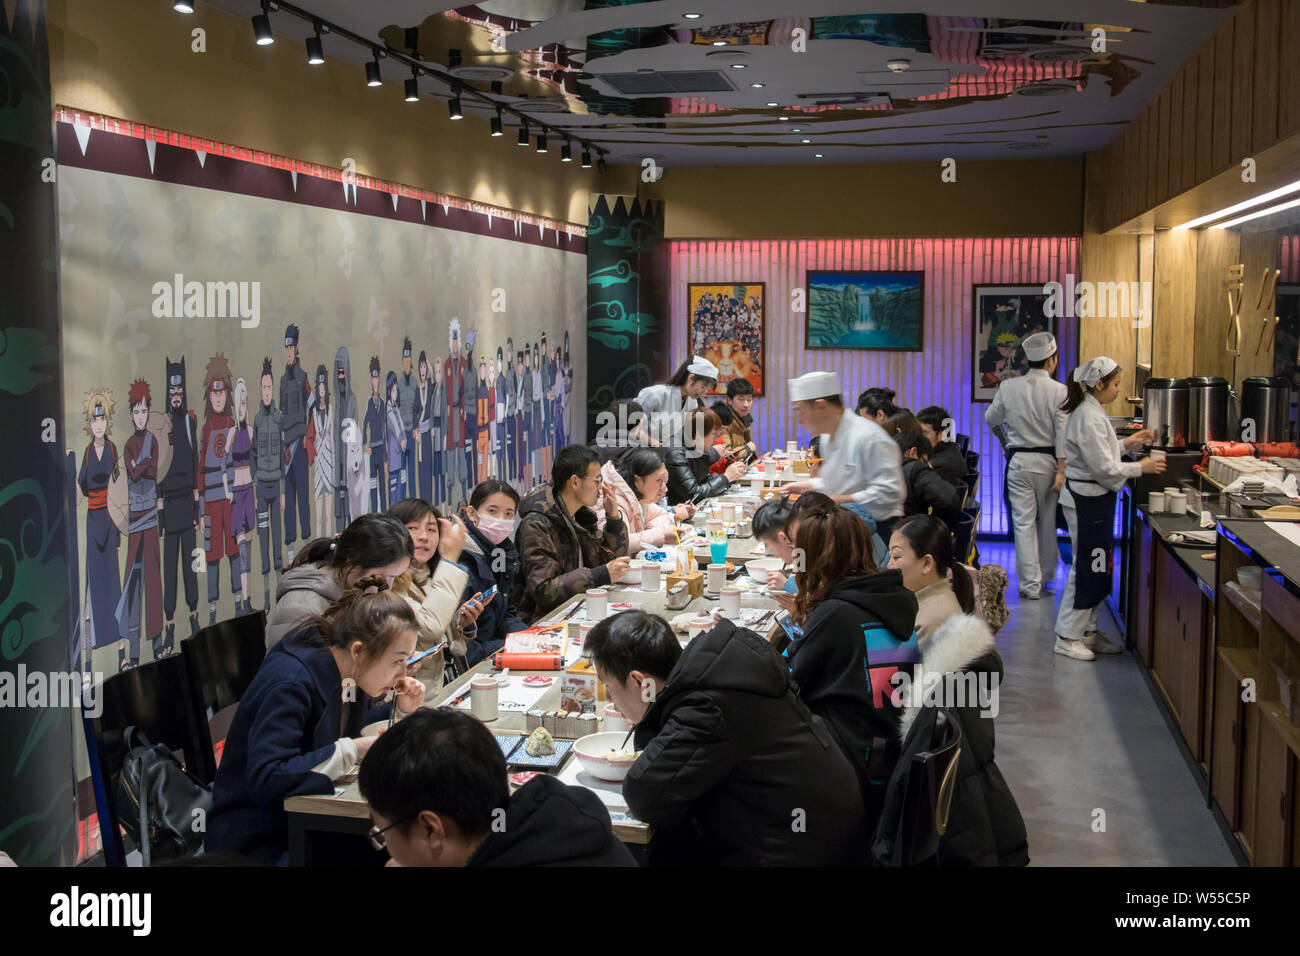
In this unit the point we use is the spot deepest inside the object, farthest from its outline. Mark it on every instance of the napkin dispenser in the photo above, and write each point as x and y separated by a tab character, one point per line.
694	582
799	466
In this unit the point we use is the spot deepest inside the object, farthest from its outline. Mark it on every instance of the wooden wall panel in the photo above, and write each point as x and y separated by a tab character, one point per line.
1216	250
1221	135
1173	143
1288	76
1186	143
1174	294
1164	103
1204	107
1243	84
1110	259
1259	254
1268	18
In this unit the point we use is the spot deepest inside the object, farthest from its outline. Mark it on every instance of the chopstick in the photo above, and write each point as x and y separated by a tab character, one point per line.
392	714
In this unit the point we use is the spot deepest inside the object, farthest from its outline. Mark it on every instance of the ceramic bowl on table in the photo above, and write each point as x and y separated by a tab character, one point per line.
593	753
760	568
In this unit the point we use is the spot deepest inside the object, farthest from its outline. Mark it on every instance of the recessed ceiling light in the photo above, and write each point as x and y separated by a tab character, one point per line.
183	6
817	155
758	86
774	103
719	43
738	66
784	119
691	16
805	141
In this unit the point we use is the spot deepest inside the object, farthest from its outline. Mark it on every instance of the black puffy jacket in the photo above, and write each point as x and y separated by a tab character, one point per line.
689	478
735	770
548	823
985	827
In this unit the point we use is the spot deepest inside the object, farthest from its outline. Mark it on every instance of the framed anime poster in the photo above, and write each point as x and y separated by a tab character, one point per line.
883	311
1004	315
725	325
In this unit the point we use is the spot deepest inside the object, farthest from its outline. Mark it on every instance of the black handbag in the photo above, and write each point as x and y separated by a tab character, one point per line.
157	797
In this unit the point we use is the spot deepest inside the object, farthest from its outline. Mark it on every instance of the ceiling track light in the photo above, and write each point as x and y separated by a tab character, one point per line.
315	51
262	26
600	166
496	123
523	135
541	142
586	159
373	77
566	154
453	107
412	85
183	6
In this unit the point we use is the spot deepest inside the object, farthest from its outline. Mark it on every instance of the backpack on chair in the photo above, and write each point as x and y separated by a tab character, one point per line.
156	799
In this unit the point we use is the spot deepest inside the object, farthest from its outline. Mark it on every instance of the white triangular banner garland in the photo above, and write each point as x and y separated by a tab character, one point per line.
394	197
293	175
151	147
424	206
83	137
203	158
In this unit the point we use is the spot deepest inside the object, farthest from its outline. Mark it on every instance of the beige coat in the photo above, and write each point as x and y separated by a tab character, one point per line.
936	603
435	600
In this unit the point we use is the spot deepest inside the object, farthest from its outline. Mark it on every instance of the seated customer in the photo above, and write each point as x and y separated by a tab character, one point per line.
325	567
733	769
638	480
734	413
298	726
878	405
688	467
857	626
902	421
432	585
945	458
921	550
773	525
926	490
563	553
492	561
436	785
622	427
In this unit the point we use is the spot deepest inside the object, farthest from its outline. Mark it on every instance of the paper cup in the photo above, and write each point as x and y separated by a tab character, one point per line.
583	630
791	447
614	721
597	604
699	626
1157	453
772	468
728	513
1176	503
717	578
1156	502
650	577
731	602
484	694
713	526
756	486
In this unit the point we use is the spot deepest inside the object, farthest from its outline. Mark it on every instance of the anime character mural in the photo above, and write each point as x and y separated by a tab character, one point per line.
395	442
349	479
470	408
566	394
511	389
537	433
483	418
407	392
268	458
218	533
422	434
145	454
179	492
500	420
320	452
453	379
376	439
295	405
524	421
103	586
548	408
243	504
438	418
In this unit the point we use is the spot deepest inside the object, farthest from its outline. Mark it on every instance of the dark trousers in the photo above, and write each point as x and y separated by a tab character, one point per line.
377	488
511	453
268	522
409	462
178	553
426	466
296	489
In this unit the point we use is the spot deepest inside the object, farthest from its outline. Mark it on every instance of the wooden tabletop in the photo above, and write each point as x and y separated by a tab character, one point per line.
351	804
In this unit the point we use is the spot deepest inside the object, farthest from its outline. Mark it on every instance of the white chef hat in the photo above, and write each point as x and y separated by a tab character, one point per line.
813	385
702	367
1092	372
1039	346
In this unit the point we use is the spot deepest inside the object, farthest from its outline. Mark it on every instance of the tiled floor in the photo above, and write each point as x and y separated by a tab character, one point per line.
1082	743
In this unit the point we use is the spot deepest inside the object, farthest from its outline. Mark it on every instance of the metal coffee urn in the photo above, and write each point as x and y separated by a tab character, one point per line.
1207	410
1266	402
1164	410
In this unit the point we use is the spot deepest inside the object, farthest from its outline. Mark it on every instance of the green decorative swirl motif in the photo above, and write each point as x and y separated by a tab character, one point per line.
618	274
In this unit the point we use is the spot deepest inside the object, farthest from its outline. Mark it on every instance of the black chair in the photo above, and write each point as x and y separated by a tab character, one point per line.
972	461
972	488
919	795
221	661
963	443
155	699
963	535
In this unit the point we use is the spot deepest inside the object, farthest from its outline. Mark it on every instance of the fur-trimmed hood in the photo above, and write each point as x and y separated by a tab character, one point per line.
961	643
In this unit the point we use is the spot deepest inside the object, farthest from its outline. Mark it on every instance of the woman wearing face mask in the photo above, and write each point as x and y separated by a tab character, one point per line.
298	726
921	548
492	560
326	567
665	404
638	481
1094	472
434	582
688	468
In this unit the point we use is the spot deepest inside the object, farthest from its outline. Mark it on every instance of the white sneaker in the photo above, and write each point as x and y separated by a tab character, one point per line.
1099	644
1075	649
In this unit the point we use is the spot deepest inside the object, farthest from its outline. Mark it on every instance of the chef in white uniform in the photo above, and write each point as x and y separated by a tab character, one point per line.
1030	407
1094	472
861	467
665	405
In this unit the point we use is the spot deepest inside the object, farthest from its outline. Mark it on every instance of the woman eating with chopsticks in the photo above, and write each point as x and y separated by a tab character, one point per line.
298	726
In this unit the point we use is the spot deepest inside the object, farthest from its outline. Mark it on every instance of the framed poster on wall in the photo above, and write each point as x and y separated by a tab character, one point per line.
882	311
1003	315
724	323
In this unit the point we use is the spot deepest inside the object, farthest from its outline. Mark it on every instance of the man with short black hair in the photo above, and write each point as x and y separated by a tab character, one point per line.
436	785
734	769
945	458
562	550
738	440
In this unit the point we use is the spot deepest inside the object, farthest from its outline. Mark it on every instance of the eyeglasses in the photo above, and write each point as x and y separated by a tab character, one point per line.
376	835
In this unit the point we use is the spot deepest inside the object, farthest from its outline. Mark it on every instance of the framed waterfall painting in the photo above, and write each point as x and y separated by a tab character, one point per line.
882	311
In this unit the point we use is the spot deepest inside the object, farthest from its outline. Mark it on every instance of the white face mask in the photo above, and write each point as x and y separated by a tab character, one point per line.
495	530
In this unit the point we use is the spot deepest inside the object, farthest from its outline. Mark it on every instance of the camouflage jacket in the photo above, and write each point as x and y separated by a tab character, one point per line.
562	554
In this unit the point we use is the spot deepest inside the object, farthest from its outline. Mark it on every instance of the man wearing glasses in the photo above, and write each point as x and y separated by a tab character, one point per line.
562	551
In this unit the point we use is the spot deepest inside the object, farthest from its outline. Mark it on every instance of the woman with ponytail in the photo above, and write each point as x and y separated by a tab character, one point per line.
921	549
326	567
298	726
1094	472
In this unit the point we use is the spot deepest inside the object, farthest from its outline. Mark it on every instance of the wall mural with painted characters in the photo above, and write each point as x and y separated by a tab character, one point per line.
258	356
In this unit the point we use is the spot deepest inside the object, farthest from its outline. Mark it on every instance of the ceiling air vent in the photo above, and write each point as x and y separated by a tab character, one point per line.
670	83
